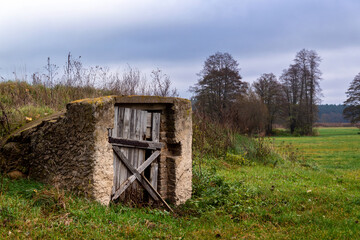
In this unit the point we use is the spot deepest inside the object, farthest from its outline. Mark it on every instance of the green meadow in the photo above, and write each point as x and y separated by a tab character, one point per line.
315	196
334	148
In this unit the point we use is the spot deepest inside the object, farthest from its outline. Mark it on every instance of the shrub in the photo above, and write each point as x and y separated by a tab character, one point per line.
237	159
210	138
281	133
257	150
263	150
209	191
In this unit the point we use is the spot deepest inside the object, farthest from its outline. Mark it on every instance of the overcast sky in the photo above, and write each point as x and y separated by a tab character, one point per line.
178	35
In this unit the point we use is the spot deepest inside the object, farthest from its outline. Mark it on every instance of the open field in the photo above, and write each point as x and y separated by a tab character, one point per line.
314	199
334	148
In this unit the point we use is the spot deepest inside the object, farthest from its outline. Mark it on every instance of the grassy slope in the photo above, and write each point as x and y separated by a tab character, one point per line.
288	201
20	100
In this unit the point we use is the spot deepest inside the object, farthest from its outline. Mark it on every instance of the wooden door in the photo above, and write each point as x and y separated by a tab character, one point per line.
135	139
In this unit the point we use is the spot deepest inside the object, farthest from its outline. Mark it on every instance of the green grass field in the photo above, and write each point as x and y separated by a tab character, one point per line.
315	199
334	148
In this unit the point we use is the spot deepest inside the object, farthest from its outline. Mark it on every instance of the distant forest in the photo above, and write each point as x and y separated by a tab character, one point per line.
331	113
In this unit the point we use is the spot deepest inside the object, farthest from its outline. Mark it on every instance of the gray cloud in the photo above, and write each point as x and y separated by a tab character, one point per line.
263	36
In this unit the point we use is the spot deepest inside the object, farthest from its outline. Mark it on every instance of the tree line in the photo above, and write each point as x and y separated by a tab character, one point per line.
222	96
331	113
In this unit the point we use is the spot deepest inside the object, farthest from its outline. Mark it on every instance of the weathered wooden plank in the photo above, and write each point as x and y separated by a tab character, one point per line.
124	123
132	178
158	194
138	125
130	143
120	121
148	161
155	127
155	132
143	125
140	152
131	151
148	125
149	119
119	125
134	134
142	136
154	174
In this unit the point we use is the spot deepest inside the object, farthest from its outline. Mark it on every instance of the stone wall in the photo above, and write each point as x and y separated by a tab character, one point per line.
63	150
71	150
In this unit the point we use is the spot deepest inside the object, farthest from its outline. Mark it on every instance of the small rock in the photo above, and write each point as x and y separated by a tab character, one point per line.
28	119
15	174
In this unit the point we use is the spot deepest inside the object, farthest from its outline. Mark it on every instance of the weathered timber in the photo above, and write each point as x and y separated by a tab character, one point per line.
123	131
155	132
161	199
129	143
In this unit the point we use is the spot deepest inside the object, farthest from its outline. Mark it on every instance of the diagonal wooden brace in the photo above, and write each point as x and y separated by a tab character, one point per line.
132	178
143	181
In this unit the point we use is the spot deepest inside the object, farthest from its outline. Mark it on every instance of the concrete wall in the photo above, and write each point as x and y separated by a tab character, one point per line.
71	150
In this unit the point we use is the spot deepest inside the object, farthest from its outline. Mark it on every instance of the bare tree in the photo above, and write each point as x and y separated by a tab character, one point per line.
49	82
130	81
270	92
219	85
301	83
352	103
161	84
51	72
291	86
249	114
75	74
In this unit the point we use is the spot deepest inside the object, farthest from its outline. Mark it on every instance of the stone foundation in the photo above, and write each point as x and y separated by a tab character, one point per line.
71	150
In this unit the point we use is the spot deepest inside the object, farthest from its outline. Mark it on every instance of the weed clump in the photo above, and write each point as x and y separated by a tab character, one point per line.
210	138
261	150
210	191
50	200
